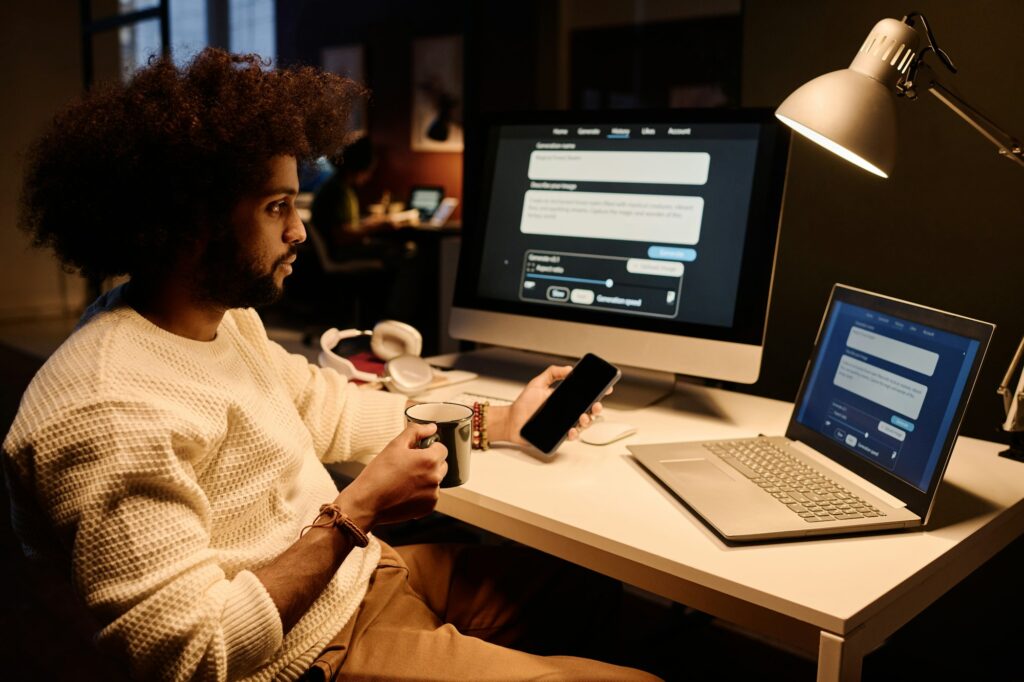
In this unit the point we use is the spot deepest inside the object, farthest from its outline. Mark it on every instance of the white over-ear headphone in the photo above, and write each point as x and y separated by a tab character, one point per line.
397	343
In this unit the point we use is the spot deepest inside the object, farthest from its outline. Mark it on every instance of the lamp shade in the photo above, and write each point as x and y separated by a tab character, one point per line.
850	115
852	112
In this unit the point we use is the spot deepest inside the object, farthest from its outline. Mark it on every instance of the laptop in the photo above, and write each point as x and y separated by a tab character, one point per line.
426	200
871	432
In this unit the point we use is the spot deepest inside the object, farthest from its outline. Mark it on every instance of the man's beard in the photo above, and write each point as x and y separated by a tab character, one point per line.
227	278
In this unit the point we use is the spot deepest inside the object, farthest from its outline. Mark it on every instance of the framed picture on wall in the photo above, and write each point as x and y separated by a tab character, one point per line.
437	94
347	60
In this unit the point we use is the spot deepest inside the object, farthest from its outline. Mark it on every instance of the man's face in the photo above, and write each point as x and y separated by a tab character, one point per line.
245	266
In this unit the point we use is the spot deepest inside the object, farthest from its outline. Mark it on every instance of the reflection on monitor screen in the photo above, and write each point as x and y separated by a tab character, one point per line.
647	238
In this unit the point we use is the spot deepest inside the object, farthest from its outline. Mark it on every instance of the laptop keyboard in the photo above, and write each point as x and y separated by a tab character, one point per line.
810	495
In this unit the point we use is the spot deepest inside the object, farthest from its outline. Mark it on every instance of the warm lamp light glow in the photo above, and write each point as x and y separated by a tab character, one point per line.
833	147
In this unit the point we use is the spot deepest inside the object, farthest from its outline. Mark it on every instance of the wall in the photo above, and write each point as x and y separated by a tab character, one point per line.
581	14
39	48
946	230
386	29
591	14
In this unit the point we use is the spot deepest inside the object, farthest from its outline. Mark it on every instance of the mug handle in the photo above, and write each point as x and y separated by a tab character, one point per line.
428	441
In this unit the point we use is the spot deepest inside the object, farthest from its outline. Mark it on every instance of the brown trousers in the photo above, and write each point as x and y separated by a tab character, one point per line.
450	612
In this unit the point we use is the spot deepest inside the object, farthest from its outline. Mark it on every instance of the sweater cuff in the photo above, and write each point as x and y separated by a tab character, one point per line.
371	420
252	626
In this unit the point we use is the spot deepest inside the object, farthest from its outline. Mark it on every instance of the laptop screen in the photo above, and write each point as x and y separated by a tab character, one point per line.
426	200
887	389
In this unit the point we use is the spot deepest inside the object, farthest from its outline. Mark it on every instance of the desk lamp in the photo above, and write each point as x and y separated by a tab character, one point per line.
1013	404
852	113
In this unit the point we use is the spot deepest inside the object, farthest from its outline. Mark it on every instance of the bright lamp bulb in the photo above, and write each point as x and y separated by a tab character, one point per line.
833	147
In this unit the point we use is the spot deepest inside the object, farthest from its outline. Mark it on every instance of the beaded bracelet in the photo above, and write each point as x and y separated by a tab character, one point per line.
340	520
480	440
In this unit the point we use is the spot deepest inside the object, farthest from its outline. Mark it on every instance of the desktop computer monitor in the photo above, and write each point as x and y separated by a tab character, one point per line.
648	238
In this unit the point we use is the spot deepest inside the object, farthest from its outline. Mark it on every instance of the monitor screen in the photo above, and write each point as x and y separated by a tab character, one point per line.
635	229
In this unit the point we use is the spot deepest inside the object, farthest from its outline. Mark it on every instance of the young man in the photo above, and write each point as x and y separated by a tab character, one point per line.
170	454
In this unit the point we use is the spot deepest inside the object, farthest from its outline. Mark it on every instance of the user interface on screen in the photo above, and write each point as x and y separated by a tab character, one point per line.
887	389
634	220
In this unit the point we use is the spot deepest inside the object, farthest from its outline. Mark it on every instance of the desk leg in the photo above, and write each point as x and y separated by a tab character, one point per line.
839	659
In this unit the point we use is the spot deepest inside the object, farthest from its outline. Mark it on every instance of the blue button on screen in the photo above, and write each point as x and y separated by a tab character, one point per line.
902	423
672	253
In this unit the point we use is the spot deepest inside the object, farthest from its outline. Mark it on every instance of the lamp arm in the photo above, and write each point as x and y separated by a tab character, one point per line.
1009	146
1004	388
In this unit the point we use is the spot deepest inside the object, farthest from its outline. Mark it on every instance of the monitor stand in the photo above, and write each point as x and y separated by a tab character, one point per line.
638	388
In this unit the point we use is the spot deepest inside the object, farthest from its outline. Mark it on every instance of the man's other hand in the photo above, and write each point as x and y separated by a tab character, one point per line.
504	423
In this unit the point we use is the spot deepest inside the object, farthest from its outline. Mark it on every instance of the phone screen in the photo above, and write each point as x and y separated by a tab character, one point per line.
585	385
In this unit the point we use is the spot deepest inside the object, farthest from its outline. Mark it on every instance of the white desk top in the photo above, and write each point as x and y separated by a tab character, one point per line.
594	503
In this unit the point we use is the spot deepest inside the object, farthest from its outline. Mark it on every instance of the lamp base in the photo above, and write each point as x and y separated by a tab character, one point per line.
1016	449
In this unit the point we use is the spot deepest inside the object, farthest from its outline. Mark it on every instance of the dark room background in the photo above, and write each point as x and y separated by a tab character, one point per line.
944	231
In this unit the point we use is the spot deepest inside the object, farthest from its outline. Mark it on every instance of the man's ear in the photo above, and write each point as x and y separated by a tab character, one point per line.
213	220
209	232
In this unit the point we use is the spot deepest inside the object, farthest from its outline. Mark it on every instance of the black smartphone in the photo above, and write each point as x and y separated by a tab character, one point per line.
589	380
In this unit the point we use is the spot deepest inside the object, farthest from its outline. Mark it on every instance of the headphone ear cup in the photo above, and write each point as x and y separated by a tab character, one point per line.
408	374
392	338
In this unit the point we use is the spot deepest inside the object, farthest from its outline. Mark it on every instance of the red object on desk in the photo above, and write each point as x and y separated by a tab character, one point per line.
366	362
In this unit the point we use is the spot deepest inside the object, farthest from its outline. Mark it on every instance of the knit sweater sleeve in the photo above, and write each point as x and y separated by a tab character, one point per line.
346	422
122	495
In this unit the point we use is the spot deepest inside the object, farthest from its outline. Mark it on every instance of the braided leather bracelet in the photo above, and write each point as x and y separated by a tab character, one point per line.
340	520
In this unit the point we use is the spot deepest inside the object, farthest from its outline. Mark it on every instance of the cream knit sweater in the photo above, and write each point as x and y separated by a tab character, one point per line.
168	469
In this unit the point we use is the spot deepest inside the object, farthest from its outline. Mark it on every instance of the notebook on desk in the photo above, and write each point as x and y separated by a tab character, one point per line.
871	432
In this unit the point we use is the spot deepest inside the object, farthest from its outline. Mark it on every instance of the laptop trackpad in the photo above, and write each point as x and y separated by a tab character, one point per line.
697	469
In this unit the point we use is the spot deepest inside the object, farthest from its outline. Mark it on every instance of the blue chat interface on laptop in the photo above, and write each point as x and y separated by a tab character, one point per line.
887	389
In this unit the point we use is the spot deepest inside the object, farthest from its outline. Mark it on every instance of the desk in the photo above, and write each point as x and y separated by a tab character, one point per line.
838	598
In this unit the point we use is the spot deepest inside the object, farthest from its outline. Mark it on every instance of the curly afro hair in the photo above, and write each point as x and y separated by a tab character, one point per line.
129	177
